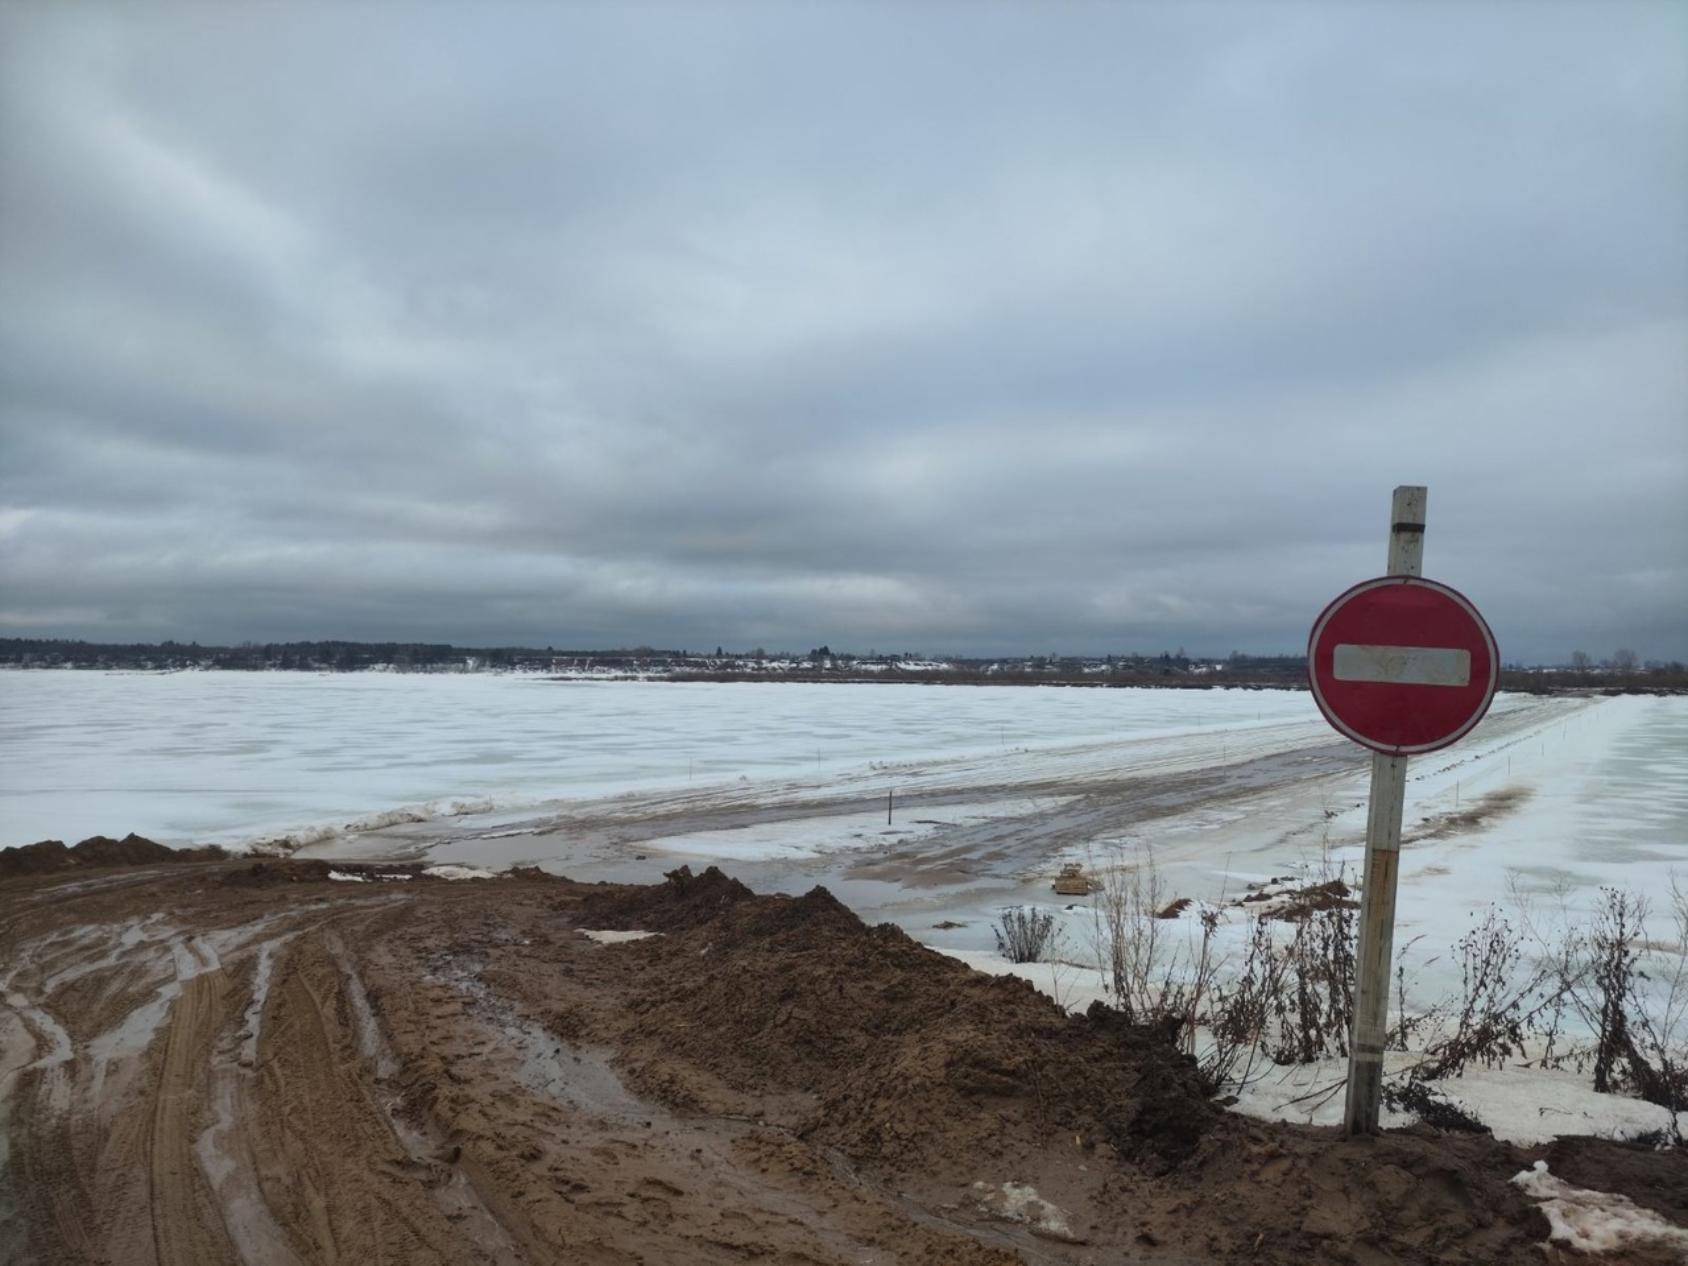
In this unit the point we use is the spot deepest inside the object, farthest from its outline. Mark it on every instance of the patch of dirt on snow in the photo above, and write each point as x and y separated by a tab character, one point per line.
1493	805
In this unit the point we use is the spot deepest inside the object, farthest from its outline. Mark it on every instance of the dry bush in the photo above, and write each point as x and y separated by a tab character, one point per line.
1629	991
1314	1010
1151	972
1024	935
1641	1042
1127	935
1292	1003
1499	1005
1289	1003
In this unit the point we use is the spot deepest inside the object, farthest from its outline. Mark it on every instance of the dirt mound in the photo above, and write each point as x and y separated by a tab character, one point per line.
131	850
39	858
48	856
684	901
915	1059
262	874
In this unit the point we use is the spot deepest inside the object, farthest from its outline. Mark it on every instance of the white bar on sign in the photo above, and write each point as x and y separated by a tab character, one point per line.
1402	665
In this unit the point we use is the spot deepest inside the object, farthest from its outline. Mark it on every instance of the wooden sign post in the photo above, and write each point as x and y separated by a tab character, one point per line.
1402	665
1383	865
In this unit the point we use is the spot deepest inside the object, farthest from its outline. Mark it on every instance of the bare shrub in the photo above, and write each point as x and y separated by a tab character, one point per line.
1662	1022
1632	994
1241	1010
1024	935
1314	1009
1641	1044
1498	1003
1127	935
1294	1003
1409	1023
1612	945
1152	973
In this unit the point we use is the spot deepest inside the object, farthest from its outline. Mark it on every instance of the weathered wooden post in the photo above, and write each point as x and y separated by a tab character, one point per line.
1383	864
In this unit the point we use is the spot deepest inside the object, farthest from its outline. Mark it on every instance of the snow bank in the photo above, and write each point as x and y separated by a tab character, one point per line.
611	936
1597	1221
459	872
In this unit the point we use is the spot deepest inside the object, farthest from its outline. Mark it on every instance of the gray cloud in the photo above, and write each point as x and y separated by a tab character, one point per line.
1091	328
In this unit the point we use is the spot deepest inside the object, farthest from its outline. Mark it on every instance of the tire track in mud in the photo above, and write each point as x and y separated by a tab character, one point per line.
102	1112
185	1225
336	1162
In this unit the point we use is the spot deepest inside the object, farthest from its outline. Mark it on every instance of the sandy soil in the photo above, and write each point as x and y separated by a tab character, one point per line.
227	1062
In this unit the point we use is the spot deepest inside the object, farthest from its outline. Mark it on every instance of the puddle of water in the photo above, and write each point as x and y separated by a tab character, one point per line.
578	1076
254	1016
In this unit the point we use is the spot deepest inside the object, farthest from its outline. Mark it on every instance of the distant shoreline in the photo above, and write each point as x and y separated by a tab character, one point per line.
1511	681
1168	670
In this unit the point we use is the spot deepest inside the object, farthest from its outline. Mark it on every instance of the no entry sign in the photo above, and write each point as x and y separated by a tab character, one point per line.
1402	665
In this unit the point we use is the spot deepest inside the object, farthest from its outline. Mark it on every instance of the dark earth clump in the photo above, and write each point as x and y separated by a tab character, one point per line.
48	856
269	871
684	900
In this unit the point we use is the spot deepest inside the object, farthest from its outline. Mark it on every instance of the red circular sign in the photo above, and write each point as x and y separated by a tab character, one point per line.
1402	665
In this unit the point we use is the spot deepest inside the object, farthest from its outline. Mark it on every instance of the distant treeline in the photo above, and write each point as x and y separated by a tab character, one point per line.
267	656
818	665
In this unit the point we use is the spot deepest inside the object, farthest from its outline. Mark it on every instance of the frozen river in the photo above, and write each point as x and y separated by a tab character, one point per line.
231	757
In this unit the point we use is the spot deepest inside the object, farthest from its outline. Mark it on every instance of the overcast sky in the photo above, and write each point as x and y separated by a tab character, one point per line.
932	327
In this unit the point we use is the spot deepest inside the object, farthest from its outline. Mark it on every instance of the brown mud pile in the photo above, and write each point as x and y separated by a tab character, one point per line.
48	856
282	1068
916	1060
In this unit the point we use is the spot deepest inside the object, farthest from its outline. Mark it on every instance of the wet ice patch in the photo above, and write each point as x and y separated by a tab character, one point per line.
1019	1202
809	834
610	936
459	872
1597	1221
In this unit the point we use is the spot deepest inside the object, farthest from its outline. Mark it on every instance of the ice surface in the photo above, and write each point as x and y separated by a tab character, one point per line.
199	757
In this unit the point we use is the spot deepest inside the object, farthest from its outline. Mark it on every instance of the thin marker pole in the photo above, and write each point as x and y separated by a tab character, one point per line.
1383	865
888	794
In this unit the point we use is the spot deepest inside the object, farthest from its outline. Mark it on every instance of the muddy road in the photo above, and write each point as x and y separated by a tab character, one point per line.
251	1062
